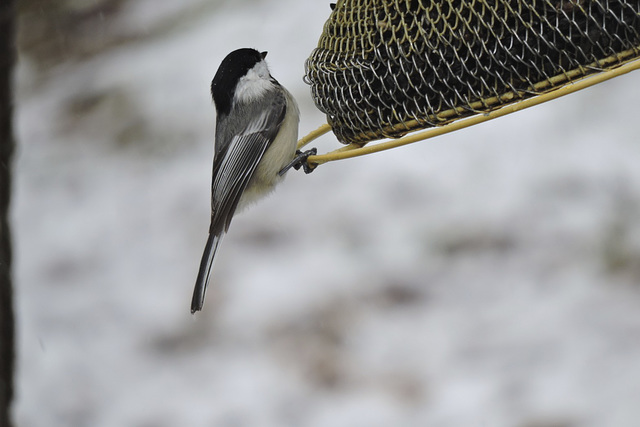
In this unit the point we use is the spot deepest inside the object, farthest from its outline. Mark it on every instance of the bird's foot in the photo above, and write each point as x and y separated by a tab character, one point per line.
300	161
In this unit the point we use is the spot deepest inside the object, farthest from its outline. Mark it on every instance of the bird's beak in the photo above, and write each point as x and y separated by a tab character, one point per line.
264	54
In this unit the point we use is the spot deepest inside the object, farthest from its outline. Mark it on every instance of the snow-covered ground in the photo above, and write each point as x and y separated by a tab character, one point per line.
485	278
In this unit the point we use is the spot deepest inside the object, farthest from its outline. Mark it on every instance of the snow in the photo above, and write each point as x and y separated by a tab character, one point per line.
484	278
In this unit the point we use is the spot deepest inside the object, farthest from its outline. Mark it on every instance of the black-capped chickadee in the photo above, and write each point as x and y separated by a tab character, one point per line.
256	135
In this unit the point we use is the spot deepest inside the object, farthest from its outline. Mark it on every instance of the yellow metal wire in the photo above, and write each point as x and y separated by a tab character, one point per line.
355	150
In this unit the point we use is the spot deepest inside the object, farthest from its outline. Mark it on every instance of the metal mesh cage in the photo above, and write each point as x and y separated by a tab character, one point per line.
386	67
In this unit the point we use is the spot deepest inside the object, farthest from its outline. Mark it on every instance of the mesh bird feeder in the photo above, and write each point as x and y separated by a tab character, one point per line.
383	68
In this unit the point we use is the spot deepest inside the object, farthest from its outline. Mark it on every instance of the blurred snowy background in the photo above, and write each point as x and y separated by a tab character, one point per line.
486	278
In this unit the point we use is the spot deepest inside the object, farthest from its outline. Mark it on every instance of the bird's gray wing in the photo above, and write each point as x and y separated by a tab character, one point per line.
234	166
236	159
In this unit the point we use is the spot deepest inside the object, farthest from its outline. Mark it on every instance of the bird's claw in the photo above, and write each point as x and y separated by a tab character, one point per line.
300	161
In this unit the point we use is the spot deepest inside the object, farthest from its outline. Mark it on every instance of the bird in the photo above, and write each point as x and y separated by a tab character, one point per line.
255	144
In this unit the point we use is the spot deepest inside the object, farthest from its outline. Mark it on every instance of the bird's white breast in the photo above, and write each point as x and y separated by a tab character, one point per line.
277	156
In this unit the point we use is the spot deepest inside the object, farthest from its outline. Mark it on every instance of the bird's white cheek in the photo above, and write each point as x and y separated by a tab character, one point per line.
253	85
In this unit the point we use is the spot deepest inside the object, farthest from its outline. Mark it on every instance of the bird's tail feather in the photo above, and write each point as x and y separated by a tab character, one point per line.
204	273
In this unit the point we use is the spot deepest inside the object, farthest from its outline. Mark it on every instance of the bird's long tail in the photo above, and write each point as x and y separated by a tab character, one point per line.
204	273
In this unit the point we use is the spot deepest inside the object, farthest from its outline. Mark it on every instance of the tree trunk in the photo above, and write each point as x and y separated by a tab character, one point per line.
6	150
